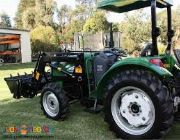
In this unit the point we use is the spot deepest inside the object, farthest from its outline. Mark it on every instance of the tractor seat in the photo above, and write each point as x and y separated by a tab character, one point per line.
147	50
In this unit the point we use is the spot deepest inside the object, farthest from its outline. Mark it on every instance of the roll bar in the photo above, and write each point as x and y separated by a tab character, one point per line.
155	30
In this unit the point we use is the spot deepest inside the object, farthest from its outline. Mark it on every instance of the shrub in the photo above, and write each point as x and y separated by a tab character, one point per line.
43	38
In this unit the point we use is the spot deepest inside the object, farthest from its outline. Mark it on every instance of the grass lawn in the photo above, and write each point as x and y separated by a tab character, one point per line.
79	124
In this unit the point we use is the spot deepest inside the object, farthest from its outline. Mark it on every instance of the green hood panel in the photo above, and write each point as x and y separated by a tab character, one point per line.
128	5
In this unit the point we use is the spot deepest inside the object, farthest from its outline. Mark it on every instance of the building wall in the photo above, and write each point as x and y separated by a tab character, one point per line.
25	47
24	42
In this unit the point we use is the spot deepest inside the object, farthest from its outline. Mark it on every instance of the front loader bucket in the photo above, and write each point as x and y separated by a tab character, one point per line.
29	85
20	85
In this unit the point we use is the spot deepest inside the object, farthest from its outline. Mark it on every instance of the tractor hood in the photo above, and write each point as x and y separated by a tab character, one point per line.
128	5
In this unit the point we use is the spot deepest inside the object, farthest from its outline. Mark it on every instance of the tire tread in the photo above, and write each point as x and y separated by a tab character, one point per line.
160	91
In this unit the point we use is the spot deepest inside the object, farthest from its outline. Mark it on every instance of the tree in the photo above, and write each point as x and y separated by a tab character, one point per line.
97	22
162	23
28	19
5	20
44	12
66	14
71	21
85	7
81	12
88	2
63	16
43	38
136	29
115	27
32	13
73	27
23	6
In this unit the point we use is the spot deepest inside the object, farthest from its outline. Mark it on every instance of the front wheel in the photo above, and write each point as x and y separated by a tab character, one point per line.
138	105
54	102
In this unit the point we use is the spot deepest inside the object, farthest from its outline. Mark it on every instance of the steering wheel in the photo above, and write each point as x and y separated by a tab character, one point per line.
87	49
118	52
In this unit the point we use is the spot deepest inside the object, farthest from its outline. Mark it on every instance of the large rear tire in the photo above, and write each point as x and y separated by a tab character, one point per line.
138	105
54	102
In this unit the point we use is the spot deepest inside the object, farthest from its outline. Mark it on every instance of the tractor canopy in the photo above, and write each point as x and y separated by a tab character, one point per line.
128	5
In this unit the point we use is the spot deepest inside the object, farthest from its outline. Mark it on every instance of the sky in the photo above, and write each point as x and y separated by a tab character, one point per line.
10	7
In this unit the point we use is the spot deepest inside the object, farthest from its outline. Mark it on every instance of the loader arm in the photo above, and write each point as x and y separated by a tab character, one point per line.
41	63
28	85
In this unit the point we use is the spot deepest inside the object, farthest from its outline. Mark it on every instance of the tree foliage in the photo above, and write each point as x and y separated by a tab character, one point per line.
28	19
135	30
64	17
37	15
22	7
74	27
44	12
90	5
162	23
5	20
32	13
97	22
72	20
86	2
43	38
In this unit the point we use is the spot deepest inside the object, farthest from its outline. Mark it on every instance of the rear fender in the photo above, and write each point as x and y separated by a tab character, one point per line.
129	63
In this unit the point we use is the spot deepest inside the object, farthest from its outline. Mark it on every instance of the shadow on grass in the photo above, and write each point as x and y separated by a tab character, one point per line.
78	125
5	100
16	66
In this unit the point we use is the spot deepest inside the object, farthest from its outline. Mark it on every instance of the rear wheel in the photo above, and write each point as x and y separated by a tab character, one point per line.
138	105
54	102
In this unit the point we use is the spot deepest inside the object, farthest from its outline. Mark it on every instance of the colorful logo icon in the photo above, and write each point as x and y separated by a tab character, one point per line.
27	130
24	130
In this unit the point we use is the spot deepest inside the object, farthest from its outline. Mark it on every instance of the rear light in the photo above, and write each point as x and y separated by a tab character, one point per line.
156	62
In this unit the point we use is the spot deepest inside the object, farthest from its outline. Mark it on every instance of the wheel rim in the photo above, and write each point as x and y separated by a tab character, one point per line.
1	60
50	104
132	110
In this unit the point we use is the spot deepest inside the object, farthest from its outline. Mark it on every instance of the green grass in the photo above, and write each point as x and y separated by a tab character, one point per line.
78	125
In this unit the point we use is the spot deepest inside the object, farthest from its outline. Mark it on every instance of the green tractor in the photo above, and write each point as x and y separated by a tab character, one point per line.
139	96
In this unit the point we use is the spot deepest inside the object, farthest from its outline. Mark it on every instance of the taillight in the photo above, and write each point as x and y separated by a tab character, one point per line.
157	62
